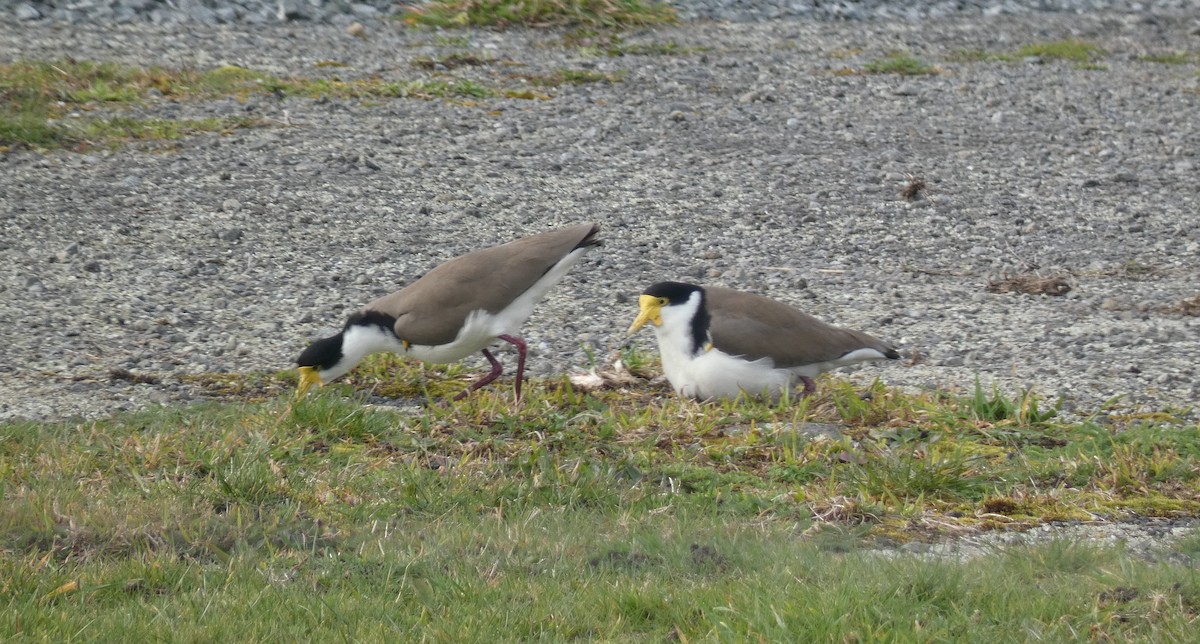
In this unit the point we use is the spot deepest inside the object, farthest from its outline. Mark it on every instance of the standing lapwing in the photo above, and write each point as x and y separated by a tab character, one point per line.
456	309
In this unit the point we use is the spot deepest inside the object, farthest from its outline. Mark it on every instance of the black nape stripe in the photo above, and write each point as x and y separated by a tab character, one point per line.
372	318
700	323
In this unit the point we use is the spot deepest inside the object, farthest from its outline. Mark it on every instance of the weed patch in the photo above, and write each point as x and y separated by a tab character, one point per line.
1075	51
900	64
548	13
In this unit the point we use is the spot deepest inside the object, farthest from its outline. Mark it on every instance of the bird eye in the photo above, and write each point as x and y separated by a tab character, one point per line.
662	301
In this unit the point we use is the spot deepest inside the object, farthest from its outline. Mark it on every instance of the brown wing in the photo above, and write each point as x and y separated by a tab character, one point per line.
756	327
432	309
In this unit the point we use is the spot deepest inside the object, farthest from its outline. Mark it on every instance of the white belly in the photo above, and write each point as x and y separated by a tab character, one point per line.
716	374
480	330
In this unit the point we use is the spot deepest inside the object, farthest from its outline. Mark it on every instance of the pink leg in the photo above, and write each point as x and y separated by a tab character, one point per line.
521	350
492	375
810	387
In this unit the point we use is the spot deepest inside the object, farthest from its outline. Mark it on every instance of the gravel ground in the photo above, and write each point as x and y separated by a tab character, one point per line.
747	161
1151	539
344	12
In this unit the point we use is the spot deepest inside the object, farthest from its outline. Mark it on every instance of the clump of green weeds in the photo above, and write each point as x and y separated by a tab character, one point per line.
564	76
901	64
1084	54
58	104
544	13
593	42
1172	58
1024	410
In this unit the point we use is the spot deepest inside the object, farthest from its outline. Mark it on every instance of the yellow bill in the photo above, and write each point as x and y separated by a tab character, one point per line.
651	311
308	378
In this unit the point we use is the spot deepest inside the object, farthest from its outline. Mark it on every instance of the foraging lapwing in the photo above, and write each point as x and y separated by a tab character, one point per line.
456	309
717	342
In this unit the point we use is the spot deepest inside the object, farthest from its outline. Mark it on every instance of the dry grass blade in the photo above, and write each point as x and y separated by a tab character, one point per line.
915	189
1189	306
615	376
452	61
1031	284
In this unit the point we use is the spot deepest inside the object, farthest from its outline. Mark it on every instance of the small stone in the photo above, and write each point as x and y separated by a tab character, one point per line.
92	266
677	116
231	205
203	15
357	30
364	10
26	11
292	10
230	234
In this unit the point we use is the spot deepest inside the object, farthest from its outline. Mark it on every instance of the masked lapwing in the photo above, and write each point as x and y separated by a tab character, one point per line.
456	309
717	342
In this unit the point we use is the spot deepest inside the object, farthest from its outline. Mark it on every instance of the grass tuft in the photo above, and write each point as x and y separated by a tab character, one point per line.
1076	51
1172	58
82	104
901	64
542	13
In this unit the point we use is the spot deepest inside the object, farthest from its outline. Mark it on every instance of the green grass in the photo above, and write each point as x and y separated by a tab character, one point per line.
540	13
66	104
1083	54
1172	58
621	514
901	64
596	43
1076	51
564	76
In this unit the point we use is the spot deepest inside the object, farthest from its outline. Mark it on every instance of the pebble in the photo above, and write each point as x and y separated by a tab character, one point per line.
25	11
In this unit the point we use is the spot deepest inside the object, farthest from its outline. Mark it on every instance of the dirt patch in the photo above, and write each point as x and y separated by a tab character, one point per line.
1031	284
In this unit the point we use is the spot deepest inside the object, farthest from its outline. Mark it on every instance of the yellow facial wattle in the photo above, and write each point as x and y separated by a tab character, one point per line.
651	311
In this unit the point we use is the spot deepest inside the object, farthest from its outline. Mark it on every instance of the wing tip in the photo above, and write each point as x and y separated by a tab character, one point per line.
590	238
